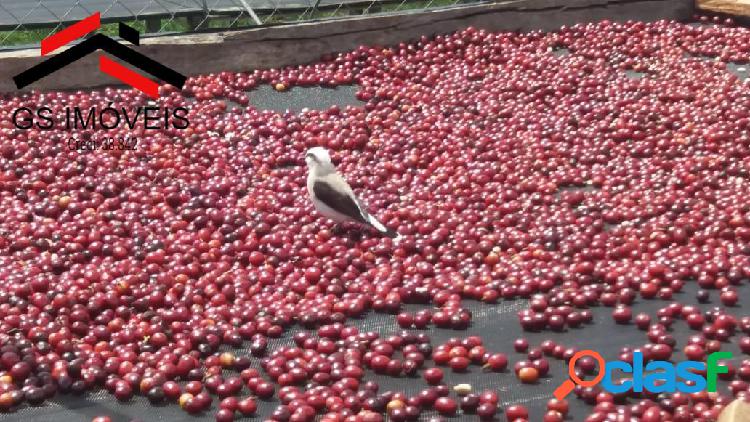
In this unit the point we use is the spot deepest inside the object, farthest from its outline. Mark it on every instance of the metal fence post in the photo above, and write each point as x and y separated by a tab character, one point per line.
251	12
153	24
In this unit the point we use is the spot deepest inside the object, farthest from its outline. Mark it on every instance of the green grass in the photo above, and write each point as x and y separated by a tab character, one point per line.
34	36
20	37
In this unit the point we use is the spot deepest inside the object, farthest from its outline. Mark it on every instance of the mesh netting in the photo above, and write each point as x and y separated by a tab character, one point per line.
24	22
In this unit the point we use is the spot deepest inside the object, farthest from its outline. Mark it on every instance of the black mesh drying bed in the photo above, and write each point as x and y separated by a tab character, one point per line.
496	324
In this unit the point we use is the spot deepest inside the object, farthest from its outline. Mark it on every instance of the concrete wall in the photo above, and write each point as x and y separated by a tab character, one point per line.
304	43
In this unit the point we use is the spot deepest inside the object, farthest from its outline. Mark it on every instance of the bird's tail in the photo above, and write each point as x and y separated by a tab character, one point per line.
382	228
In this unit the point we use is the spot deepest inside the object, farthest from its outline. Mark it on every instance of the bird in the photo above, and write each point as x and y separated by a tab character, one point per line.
333	197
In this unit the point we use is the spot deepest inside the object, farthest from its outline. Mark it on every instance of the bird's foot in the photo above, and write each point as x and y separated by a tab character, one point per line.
347	230
338	229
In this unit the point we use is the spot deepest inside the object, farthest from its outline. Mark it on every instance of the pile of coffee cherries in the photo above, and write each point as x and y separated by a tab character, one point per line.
511	171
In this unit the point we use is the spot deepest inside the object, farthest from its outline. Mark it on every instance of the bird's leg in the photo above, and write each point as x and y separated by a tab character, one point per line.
338	229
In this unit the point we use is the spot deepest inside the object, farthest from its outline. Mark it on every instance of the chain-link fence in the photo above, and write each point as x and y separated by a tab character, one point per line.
25	22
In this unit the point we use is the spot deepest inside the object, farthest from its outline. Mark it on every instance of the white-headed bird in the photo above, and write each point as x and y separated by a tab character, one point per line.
333	197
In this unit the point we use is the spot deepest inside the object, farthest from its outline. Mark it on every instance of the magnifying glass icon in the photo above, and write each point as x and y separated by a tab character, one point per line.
568	385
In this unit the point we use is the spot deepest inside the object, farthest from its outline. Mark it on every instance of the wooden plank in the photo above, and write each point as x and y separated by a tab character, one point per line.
736	411
285	45
729	7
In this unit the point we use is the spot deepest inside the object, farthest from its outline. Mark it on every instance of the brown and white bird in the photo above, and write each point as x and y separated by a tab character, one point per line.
333	197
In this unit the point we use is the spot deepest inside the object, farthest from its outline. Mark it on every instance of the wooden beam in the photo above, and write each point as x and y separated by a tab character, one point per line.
153	24
729	7
736	411
288	45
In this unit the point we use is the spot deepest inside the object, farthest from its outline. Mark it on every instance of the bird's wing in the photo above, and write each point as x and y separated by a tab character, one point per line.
333	191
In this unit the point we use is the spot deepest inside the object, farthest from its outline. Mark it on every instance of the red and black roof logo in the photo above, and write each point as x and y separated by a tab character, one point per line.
106	65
